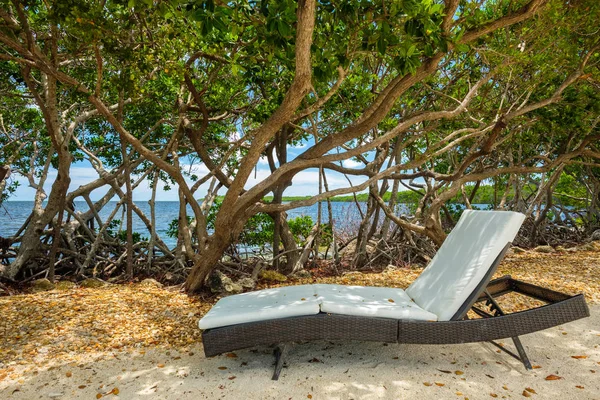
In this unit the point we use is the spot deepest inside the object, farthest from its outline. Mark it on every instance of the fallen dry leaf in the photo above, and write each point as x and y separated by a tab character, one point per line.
69	374
161	365
494	395
458	372
427	383
579	387
98	395
232	377
553	378
459	393
579	357
445	371
222	368
440	384
231	355
526	393
125	317
115	391
309	396
536	367
530	390
97	320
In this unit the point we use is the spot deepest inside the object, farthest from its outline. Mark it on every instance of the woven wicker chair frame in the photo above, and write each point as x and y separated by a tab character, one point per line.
491	325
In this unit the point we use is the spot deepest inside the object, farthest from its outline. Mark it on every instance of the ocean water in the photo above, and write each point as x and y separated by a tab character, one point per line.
14	213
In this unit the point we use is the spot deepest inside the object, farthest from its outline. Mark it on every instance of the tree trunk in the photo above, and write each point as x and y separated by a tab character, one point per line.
4	173
289	242
385	227
31	244
433	228
360	256
307	249
206	261
277	196
55	240
129	209
152	204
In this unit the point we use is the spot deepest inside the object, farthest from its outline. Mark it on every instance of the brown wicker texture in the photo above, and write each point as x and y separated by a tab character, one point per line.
343	327
506	326
296	329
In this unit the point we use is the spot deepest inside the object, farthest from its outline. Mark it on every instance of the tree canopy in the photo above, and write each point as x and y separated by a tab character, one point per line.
452	101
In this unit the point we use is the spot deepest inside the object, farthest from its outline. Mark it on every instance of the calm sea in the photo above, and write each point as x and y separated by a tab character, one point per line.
14	213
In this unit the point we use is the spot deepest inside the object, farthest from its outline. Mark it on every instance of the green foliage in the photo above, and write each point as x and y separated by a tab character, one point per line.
240	57
301	227
570	191
326	237
121	235
9	189
173	229
258	230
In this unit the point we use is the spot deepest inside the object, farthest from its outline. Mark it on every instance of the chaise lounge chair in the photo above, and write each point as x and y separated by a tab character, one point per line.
432	310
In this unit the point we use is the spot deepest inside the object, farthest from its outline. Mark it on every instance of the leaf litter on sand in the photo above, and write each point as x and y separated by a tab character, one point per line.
61	326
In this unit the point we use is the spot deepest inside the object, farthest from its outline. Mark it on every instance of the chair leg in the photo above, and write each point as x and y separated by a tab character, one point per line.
495	308
280	353
522	356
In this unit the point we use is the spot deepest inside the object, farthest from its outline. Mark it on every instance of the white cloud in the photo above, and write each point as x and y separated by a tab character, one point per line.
304	183
350	163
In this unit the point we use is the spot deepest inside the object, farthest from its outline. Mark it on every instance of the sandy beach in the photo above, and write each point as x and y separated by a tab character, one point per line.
334	370
142	342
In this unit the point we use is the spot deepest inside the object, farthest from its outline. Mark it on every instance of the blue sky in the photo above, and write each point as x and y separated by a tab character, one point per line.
304	183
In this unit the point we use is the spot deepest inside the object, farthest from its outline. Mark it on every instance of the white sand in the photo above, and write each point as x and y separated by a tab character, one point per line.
337	371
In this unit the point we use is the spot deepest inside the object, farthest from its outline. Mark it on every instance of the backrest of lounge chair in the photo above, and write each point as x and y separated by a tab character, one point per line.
464	260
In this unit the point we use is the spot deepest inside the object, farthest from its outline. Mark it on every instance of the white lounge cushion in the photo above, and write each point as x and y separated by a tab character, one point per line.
369	301
463	260
291	301
457	269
